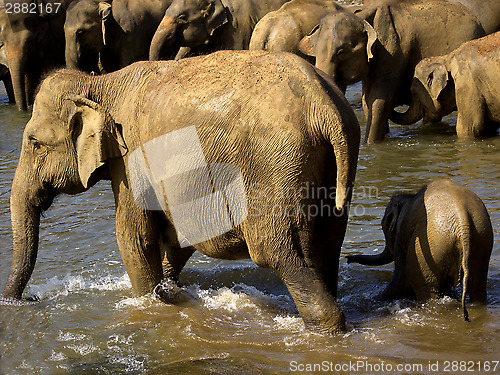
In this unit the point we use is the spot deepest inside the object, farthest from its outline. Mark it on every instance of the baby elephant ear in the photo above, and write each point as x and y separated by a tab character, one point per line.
437	79
95	135
306	45
215	14
391	216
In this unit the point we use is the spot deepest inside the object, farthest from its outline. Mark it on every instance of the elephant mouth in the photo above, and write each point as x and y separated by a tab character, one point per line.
90	62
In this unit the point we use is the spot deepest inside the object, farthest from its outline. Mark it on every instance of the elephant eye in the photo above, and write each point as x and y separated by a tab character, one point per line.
34	142
79	33
340	52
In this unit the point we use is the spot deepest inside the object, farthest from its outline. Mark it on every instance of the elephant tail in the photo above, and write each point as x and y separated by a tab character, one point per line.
465	273
334	120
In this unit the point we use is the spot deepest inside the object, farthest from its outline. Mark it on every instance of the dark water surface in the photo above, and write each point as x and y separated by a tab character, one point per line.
239	318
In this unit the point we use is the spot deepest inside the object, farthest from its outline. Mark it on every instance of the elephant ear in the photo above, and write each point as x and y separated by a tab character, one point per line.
391	216
306	45
215	14
436	79
385	29
105	13
372	38
95	134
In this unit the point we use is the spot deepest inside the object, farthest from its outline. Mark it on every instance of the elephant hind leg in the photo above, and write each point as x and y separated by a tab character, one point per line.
312	294
317	306
476	287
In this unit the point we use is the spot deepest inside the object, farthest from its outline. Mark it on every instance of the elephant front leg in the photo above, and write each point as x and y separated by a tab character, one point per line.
137	239
471	116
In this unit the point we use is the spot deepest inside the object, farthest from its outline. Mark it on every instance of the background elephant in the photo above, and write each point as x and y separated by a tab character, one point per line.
437	238
283	29
486	11
466	79
383	51
198	26
5	75
34	44
241	109
104	36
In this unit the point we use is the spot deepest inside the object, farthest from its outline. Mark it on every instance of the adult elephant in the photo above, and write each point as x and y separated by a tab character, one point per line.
104	36
381	45
34	43
230	140
196	26
282	30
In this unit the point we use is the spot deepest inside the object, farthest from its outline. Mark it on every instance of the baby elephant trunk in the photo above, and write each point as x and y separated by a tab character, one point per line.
385	257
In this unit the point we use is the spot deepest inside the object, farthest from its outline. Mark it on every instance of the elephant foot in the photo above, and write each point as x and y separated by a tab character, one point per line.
170	291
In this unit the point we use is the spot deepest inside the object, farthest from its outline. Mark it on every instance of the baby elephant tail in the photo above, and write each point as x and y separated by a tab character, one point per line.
465	270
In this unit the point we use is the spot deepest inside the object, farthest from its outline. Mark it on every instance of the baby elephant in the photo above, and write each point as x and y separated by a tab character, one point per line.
437	238
467	80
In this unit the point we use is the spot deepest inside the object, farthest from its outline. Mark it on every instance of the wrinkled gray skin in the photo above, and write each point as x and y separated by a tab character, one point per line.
283	29
102	36
34	45
383	51
466	79
200	26
281	122
437	238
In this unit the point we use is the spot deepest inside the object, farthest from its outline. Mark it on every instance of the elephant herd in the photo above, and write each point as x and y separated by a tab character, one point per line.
200	150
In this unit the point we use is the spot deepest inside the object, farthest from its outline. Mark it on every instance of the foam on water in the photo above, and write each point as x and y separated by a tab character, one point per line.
63	286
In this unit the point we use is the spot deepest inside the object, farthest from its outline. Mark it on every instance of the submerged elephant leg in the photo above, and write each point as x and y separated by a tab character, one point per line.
317	306
379	99
471	116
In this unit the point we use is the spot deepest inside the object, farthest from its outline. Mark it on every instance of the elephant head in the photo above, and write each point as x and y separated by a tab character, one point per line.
343	46
432	93
188	24
85	32
391	224
60	153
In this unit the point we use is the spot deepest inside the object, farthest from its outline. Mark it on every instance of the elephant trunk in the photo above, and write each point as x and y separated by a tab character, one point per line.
326	66
163	40
414	113
384	257
17	65
72	54
25	205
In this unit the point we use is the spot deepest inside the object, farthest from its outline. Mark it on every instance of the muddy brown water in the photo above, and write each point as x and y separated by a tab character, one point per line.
238	318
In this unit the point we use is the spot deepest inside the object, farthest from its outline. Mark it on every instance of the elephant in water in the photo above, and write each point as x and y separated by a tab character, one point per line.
466	79
201	26
437	238
211	153
104	36
381	45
